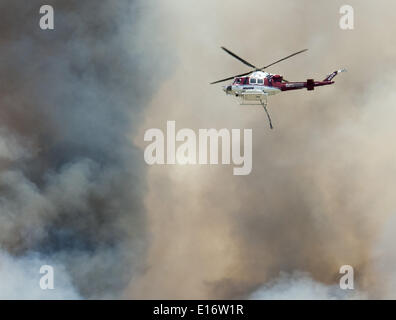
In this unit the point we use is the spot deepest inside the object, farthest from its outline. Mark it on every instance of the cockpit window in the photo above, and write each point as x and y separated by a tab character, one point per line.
260	81
252	80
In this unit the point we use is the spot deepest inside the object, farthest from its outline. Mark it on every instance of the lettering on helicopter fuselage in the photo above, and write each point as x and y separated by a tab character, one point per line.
247	88
295	85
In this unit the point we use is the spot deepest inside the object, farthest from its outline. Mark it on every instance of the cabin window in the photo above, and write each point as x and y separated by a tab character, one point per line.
260	81
246	80
252	80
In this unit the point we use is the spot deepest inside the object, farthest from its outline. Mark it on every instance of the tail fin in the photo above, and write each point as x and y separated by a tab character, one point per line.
332	75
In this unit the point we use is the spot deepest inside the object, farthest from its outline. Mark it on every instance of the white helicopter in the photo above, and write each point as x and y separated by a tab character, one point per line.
254	87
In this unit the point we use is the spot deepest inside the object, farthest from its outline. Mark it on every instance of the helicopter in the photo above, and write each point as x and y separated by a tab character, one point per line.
255	86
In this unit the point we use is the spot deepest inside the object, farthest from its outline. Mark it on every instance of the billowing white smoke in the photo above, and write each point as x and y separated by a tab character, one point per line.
322	186
20	279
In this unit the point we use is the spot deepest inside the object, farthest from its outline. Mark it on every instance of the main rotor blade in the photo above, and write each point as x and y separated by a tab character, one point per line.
250	65
292	55
238	58
230	78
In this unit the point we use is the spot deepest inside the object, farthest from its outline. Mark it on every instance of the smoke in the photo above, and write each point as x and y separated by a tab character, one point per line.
300	286
19	279
321	190
76	194
71	181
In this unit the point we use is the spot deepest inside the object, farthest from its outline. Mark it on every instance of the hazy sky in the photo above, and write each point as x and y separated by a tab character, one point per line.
75	191
321	190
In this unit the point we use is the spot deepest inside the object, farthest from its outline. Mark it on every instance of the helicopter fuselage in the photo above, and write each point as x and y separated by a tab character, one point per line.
258	85
260	82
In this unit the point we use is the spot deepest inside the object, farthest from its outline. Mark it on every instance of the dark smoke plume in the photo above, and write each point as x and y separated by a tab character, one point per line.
71	180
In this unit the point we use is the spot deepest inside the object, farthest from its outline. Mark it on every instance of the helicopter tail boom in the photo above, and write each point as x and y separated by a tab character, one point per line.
310	84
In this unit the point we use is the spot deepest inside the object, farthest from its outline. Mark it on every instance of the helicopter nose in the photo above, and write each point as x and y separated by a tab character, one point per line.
227	89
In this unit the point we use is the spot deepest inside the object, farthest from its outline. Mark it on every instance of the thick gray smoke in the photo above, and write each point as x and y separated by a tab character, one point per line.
71	180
